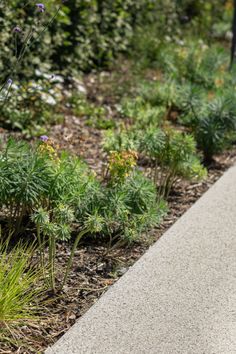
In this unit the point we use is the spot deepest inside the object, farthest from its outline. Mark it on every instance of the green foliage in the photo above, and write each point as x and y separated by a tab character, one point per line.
195	89
152	142
85	34
160	93
129	208
173	153
32	177
213	124
56	191
173	23
141	110
25	179
96	116
121	139
32	106
60	196
175	156
90	33
180	156
20	293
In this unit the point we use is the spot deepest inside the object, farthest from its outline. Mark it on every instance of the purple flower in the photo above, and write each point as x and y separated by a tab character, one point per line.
44	138
41	7
9	81
17	29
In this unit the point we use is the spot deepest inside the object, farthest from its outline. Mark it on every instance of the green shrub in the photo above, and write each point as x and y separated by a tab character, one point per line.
203	63
85	34
90	33
25	180
174	154
142	112
159	93
121	140
37	176
56	196
214	124
129	208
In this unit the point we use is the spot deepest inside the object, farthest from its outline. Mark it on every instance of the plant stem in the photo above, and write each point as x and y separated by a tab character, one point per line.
41	250
78	238
52	245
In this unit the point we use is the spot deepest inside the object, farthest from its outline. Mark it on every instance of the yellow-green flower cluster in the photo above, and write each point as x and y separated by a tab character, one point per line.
121	164
49	147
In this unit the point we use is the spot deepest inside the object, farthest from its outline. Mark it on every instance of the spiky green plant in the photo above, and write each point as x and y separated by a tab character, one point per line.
213	124
25	179
174	154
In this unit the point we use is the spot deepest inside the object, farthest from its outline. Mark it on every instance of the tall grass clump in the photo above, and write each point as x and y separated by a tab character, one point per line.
20	292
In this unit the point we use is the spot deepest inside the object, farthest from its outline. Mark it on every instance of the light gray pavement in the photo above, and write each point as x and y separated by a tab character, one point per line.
180	297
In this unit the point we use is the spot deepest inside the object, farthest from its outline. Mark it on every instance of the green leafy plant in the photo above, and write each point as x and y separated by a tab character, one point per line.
128	209
25	179
174	154
159	93
121	139
57	197
213	125
142	112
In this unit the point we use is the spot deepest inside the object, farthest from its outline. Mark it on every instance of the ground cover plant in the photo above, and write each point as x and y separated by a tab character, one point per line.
94	165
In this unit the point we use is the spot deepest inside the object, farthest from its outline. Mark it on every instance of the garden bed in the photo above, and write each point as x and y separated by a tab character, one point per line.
95	167
94	270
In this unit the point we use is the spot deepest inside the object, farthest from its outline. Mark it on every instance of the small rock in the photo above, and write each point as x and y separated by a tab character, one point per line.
122	271
72	317
100	267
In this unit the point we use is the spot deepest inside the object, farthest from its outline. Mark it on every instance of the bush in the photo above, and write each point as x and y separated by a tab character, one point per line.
194	91
90	33
56	196
214	125
58	192
33	177
129	208
172	152
85	34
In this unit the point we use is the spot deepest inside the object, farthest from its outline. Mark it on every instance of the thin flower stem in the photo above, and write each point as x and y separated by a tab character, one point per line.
69	264
27	45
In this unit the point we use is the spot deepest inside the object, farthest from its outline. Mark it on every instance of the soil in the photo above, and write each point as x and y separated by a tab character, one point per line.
94	271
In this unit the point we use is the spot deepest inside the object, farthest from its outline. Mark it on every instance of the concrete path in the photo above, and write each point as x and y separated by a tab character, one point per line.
180	297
